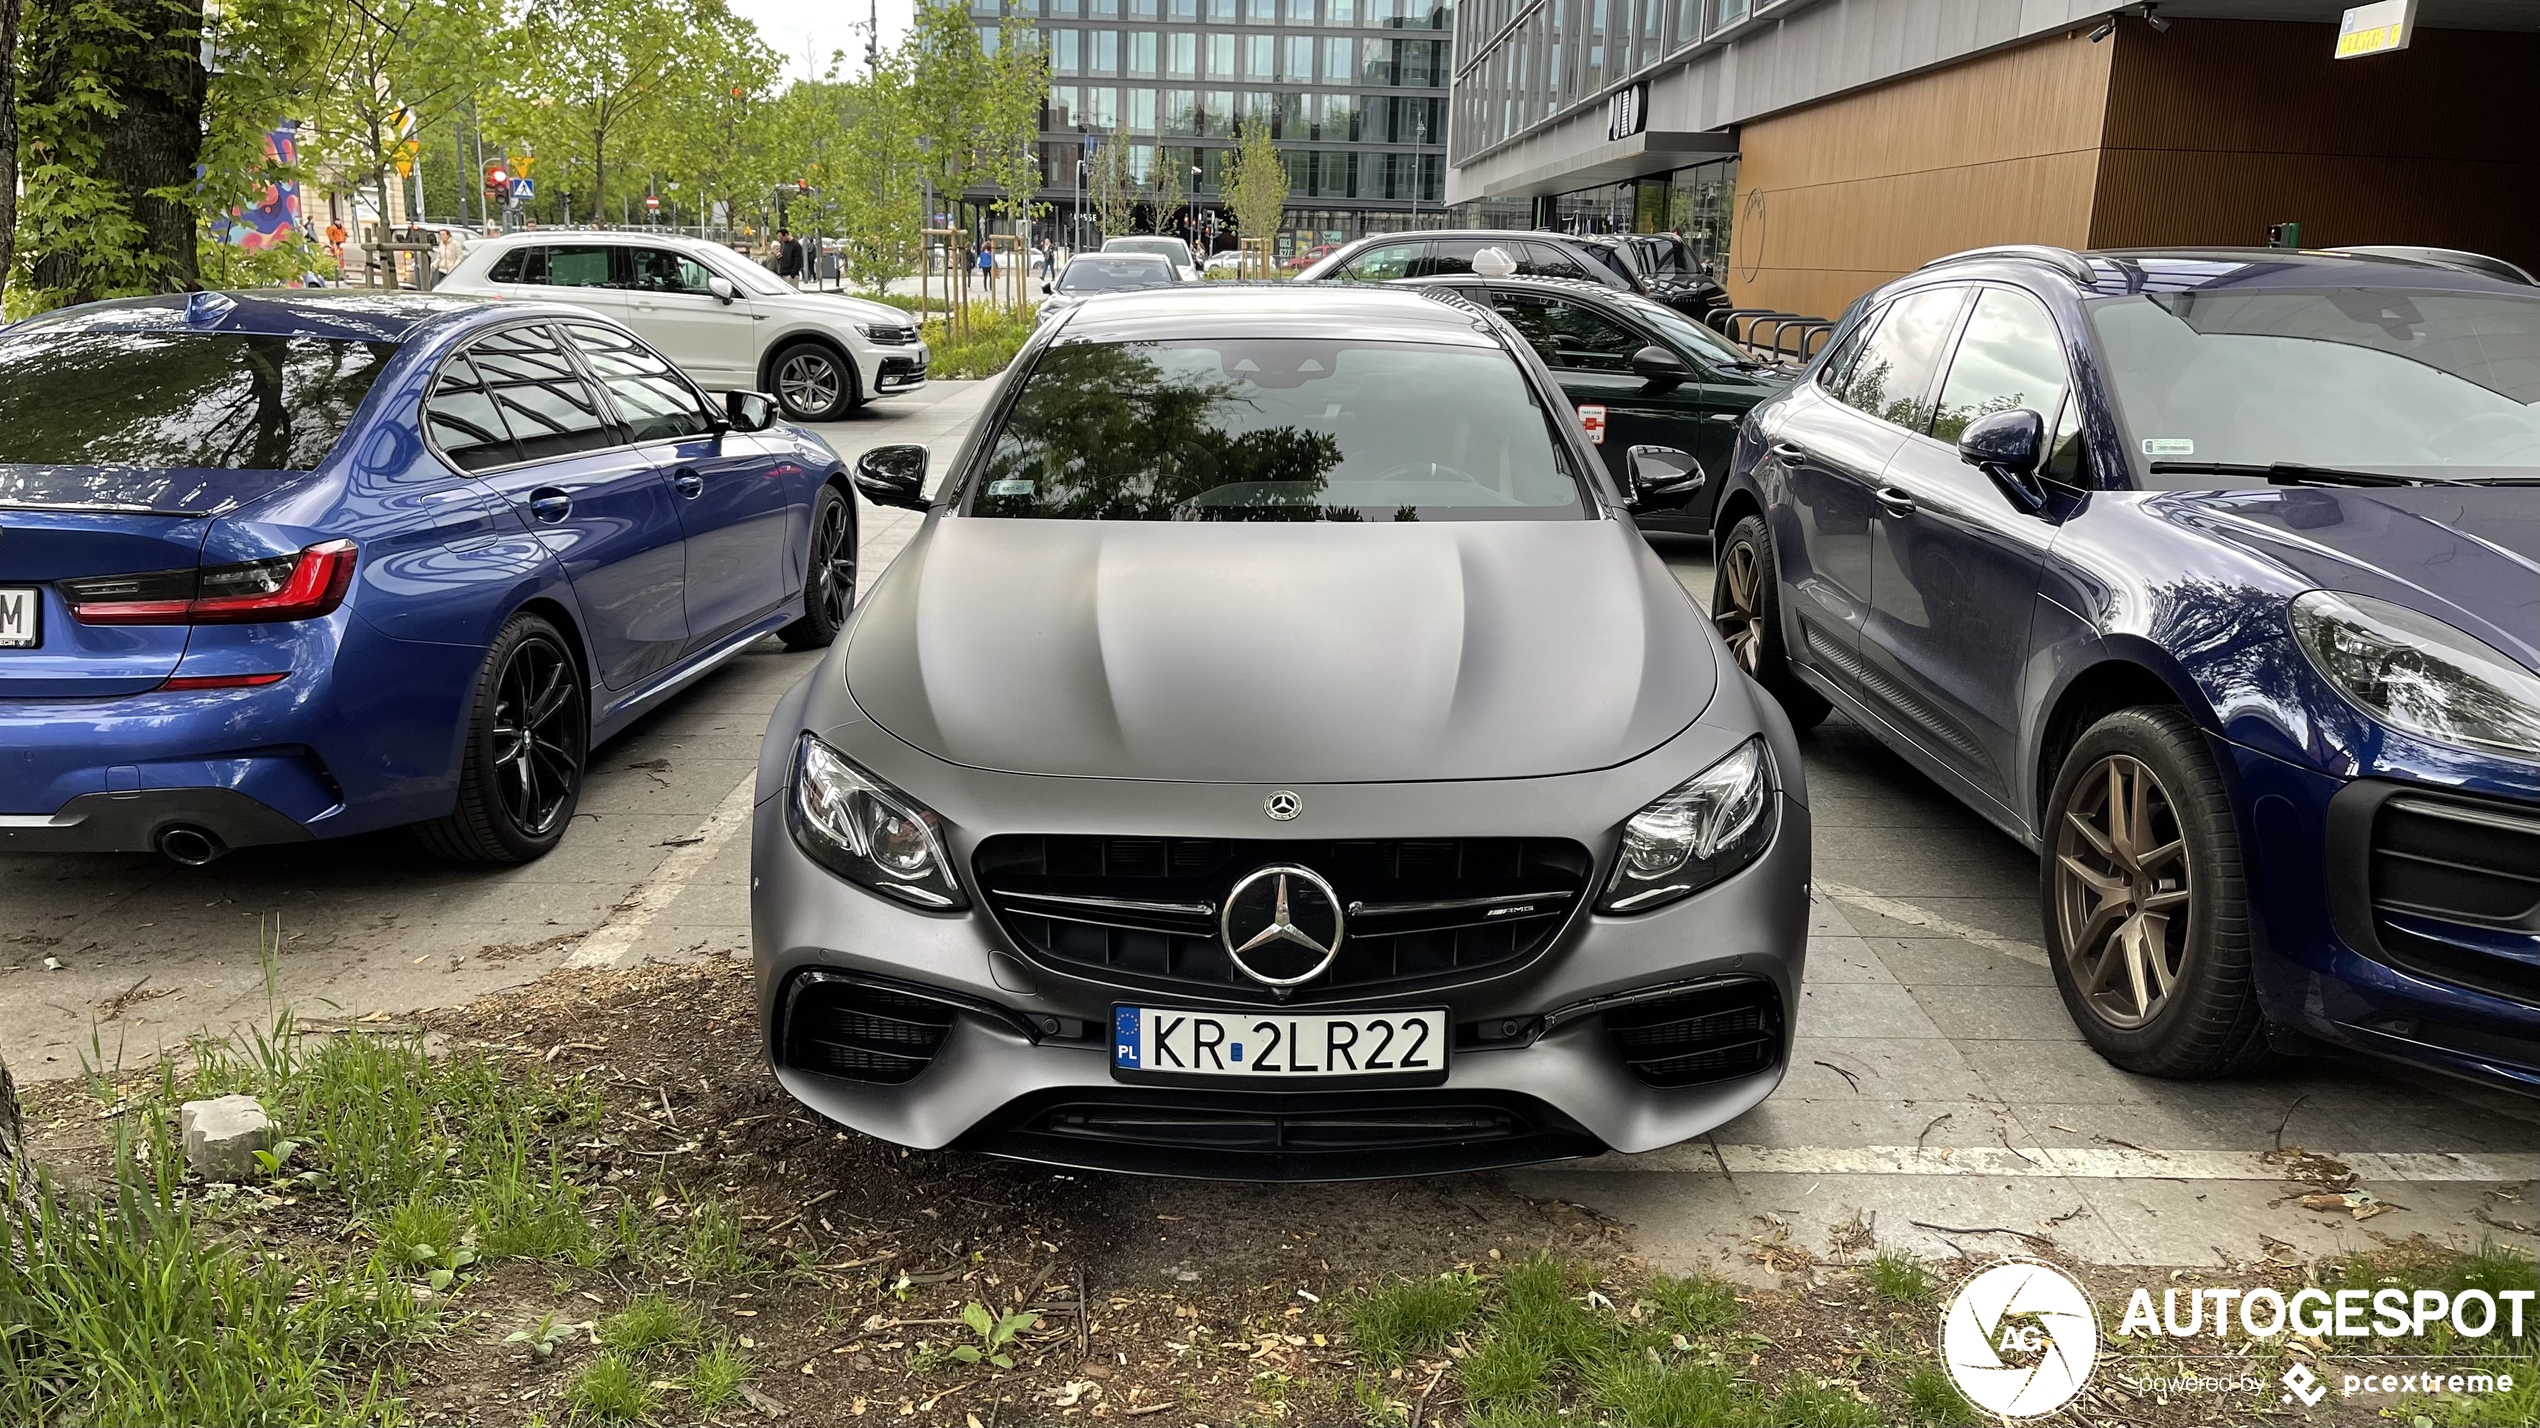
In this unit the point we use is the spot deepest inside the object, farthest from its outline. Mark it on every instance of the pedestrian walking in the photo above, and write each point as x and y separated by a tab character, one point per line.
446	253
988	269
335	236
789	255
1049	260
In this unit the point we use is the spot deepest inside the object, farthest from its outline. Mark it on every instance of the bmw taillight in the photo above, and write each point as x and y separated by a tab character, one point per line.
282	587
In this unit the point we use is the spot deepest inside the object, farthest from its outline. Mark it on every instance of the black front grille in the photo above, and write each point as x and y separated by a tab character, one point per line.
858	1032
1143	911
1271	1135
1711	1034
2455	891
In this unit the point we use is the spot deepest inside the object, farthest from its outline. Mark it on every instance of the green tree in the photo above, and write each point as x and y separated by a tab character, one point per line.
1256	185
1018	82
9	12
874	178
948	81
720	137
391	72
596	80
1170	198
110	112
1111	188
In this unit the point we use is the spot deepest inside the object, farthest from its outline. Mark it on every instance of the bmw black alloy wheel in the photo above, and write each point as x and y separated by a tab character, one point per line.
833	564
537	735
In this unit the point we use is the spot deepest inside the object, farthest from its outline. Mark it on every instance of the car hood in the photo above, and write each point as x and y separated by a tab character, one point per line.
1281	653
856	309
2469	555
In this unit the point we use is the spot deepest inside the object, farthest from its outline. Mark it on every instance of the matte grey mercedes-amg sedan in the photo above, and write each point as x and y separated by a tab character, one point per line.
1278	756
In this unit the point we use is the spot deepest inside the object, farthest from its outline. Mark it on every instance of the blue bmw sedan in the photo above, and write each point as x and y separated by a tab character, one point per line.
277	567
2213	577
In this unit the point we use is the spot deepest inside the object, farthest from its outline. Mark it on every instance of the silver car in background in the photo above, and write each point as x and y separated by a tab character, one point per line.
1093	274
1277	755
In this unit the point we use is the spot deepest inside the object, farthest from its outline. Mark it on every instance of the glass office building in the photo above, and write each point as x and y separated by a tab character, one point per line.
1353	92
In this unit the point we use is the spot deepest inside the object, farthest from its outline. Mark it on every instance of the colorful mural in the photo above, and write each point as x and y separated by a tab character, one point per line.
277	216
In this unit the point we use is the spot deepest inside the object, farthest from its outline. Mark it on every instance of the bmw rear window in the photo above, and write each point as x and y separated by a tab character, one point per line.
224	401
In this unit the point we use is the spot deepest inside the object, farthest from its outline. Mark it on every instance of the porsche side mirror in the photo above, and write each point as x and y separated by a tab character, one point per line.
1662	369
1661	478
723	290
893	476
2008	446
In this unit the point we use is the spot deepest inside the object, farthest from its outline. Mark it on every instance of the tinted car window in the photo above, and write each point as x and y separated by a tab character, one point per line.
1571	337
463	421
2405	380
2009	359
509	267
1117	272
658	270
1542	260
2067	453
551	411
575	266
1276	429
1892	372
160	399
1382	263
1838	367
654	401
1449	257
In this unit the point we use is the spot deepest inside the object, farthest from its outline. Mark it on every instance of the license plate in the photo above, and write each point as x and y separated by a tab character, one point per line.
1175	1043
20	610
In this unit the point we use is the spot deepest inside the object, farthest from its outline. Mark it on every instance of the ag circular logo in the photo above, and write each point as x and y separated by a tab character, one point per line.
1282	924
2019	1338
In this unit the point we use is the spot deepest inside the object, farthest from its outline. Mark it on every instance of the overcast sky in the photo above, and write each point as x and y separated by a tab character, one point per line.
791	27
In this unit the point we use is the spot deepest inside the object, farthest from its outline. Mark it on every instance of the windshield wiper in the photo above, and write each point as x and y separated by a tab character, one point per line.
2295	473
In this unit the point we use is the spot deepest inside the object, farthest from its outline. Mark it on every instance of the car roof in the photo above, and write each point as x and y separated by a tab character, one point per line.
2121	272
1385	314
282	312
614	237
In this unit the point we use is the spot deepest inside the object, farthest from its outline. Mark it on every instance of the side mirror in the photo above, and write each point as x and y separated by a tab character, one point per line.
893	476
723	289
749	411
2008	446
1046	289
1661	478
1662	369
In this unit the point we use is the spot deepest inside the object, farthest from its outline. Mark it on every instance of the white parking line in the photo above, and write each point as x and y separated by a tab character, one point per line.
1889	907
2076	1163
607	944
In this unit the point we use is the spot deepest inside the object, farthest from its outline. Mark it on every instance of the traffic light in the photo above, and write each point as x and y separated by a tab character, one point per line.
498	179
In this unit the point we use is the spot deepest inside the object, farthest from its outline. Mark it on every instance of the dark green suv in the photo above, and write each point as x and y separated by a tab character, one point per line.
1640	373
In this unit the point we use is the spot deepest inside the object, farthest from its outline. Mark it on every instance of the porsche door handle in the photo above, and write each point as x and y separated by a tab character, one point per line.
1896	500
1787	454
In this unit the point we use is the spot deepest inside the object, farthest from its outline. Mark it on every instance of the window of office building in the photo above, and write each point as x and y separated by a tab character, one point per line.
1102	107
1217	110
1300	12
1287	116
1339	58
987	39
1066	52
1103	9
1261	57
1183	9
1142	110
1181	111
1181	54
1339	120
1221	57
1261	12
1141	9
1102	52
1221	9
1142	54
1300	59
1340	13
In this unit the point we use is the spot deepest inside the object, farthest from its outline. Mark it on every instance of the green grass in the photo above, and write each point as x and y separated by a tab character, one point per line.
981	346
1932	1400
1506	1371
651	1322
1393	1322
710	1246
1694	1305
1806	1402
609	1389
716	1377
1636	1392
1900	1278
419	1231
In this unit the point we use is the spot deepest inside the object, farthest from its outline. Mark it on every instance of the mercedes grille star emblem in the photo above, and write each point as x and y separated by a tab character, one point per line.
1282	925
1283	805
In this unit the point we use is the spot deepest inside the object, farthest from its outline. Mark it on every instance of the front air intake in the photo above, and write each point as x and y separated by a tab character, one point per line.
858	1032
1711	1034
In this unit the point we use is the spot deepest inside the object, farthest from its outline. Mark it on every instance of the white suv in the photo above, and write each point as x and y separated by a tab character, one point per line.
727	322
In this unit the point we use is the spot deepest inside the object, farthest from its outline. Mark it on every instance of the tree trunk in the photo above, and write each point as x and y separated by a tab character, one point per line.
17	1168
8	168
152	70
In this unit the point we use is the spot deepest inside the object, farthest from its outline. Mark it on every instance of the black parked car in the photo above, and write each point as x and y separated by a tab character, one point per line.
1653	265
1640	374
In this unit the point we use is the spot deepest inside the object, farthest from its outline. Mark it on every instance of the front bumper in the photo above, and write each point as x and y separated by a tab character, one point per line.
1019	1062
900	372
2337	956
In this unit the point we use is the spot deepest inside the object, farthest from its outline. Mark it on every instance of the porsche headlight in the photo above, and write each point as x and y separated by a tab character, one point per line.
1699	832
2419	675
868	832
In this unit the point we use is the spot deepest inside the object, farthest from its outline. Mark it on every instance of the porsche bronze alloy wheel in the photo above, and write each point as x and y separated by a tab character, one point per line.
2147	912
1746	610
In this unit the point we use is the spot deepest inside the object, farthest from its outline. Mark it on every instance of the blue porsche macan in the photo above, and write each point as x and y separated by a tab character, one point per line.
2214	577
288	566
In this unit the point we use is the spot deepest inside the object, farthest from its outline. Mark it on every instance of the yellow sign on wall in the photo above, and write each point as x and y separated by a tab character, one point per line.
2376	29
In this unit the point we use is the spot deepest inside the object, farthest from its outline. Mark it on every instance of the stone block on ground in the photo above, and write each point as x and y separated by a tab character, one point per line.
222	1136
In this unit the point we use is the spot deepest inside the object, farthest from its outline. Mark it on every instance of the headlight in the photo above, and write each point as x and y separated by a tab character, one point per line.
2419	675
868	832
1699	832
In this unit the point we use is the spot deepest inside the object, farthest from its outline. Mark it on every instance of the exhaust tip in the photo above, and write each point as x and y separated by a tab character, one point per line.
191	846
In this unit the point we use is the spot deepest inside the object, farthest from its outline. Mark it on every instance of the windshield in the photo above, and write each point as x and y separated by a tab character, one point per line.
1171	250
1663	255
2405	381
1098	273
180	399
749	277
1276	429
1710	346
